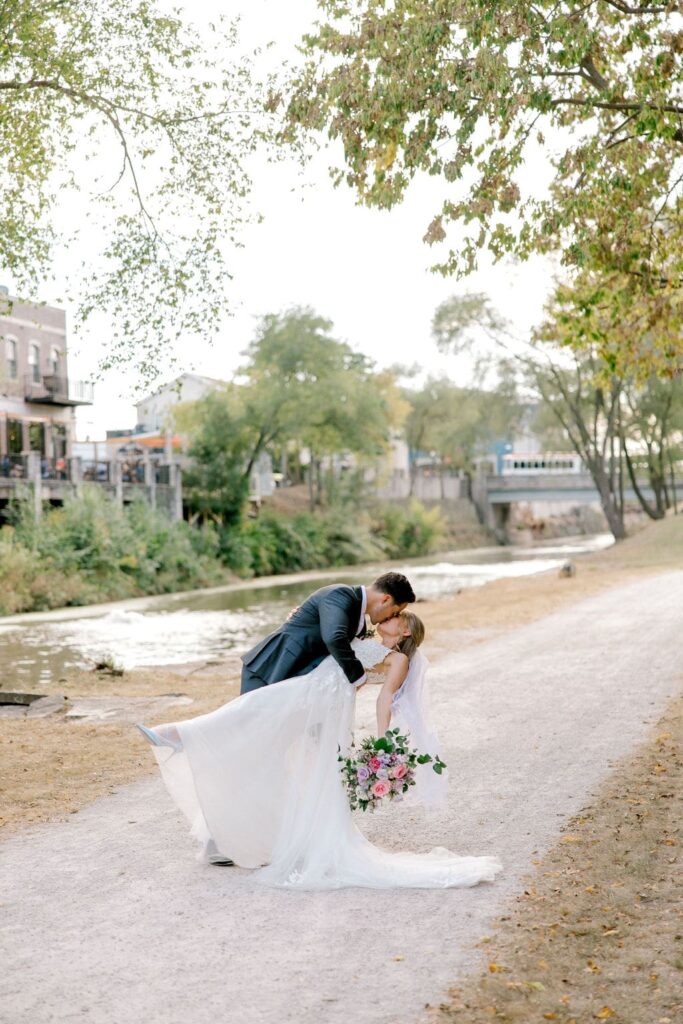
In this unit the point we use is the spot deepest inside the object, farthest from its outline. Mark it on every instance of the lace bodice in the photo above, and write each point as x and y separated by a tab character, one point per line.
369	651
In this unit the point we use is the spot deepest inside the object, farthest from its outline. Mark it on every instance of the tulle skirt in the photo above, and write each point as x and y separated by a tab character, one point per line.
260	776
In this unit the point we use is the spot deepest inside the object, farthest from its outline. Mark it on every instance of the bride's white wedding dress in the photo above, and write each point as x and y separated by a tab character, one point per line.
261	777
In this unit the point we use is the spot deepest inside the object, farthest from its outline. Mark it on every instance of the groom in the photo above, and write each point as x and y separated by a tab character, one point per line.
325	623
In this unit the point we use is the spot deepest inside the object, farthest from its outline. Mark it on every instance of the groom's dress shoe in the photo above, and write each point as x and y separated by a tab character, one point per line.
156	740
220	860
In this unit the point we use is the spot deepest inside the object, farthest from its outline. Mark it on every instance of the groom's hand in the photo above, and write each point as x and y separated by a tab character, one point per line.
293	612
360	683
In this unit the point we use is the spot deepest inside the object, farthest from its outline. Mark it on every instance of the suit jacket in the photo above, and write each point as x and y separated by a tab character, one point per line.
325	623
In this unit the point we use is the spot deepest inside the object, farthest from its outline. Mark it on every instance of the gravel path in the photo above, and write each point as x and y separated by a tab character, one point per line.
108	918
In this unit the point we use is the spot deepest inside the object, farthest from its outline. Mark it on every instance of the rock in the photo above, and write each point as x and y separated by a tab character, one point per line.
567	570
7	697
44	706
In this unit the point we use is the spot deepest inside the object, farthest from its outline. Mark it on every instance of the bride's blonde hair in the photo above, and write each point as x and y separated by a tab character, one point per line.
409	644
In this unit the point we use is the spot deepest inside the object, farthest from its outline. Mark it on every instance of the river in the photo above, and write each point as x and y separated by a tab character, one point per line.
181	628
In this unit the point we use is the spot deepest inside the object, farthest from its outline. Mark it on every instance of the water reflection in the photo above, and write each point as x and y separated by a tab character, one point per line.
184	628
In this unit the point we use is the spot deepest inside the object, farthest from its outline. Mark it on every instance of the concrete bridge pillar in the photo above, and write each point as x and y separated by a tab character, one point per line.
501	516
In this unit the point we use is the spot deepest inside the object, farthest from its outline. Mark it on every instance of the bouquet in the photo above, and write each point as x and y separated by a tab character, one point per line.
383	769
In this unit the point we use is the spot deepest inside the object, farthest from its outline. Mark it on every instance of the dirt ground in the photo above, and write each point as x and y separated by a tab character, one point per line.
51	767
597	933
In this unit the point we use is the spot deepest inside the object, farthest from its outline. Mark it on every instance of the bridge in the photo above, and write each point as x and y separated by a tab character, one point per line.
495	493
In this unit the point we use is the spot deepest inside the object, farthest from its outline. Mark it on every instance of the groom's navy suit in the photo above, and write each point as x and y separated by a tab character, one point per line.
326	623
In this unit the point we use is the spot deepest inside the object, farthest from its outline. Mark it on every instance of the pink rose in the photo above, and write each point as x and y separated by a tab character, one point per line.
380	788
399	771
374	764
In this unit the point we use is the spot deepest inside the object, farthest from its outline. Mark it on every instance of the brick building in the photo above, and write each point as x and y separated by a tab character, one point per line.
37	397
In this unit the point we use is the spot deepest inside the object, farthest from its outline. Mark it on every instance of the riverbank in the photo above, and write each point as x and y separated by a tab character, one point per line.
92	551
51	767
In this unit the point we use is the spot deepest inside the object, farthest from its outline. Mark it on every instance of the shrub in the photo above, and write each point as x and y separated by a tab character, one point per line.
276	543
92	550
409	530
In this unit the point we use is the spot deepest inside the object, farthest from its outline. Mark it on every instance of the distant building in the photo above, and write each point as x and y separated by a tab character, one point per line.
37	396
154	413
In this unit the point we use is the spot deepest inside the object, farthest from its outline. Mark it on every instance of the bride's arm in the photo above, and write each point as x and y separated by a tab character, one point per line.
396	673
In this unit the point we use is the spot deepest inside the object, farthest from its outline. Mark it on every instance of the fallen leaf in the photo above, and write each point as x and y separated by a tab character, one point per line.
549	1016
570	839
605	1013
498	969
399	958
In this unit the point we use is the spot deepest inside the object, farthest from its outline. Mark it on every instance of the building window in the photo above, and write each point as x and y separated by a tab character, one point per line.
34	362
11	357
55	362
36	435
58	441
15	442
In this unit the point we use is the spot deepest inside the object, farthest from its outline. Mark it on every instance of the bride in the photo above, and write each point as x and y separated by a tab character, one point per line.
259	777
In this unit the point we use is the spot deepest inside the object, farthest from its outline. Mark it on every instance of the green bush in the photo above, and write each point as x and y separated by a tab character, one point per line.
407	531
275	543
91	550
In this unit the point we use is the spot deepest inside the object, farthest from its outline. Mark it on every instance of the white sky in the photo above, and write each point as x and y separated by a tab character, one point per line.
365	270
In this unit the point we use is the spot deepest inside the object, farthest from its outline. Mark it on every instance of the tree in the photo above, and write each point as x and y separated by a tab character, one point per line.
299	386
216	481
620	427
571	384
119	99
306	389
460	423
652	439
468	93
590	413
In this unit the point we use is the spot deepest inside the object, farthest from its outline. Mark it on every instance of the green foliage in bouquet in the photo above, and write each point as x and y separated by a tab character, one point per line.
383	769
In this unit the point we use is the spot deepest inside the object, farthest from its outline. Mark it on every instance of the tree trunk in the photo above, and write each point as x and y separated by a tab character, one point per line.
311	492
613	514
647	508
674	498
412	476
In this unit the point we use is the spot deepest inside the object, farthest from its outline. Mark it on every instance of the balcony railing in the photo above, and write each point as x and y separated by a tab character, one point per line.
55	390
